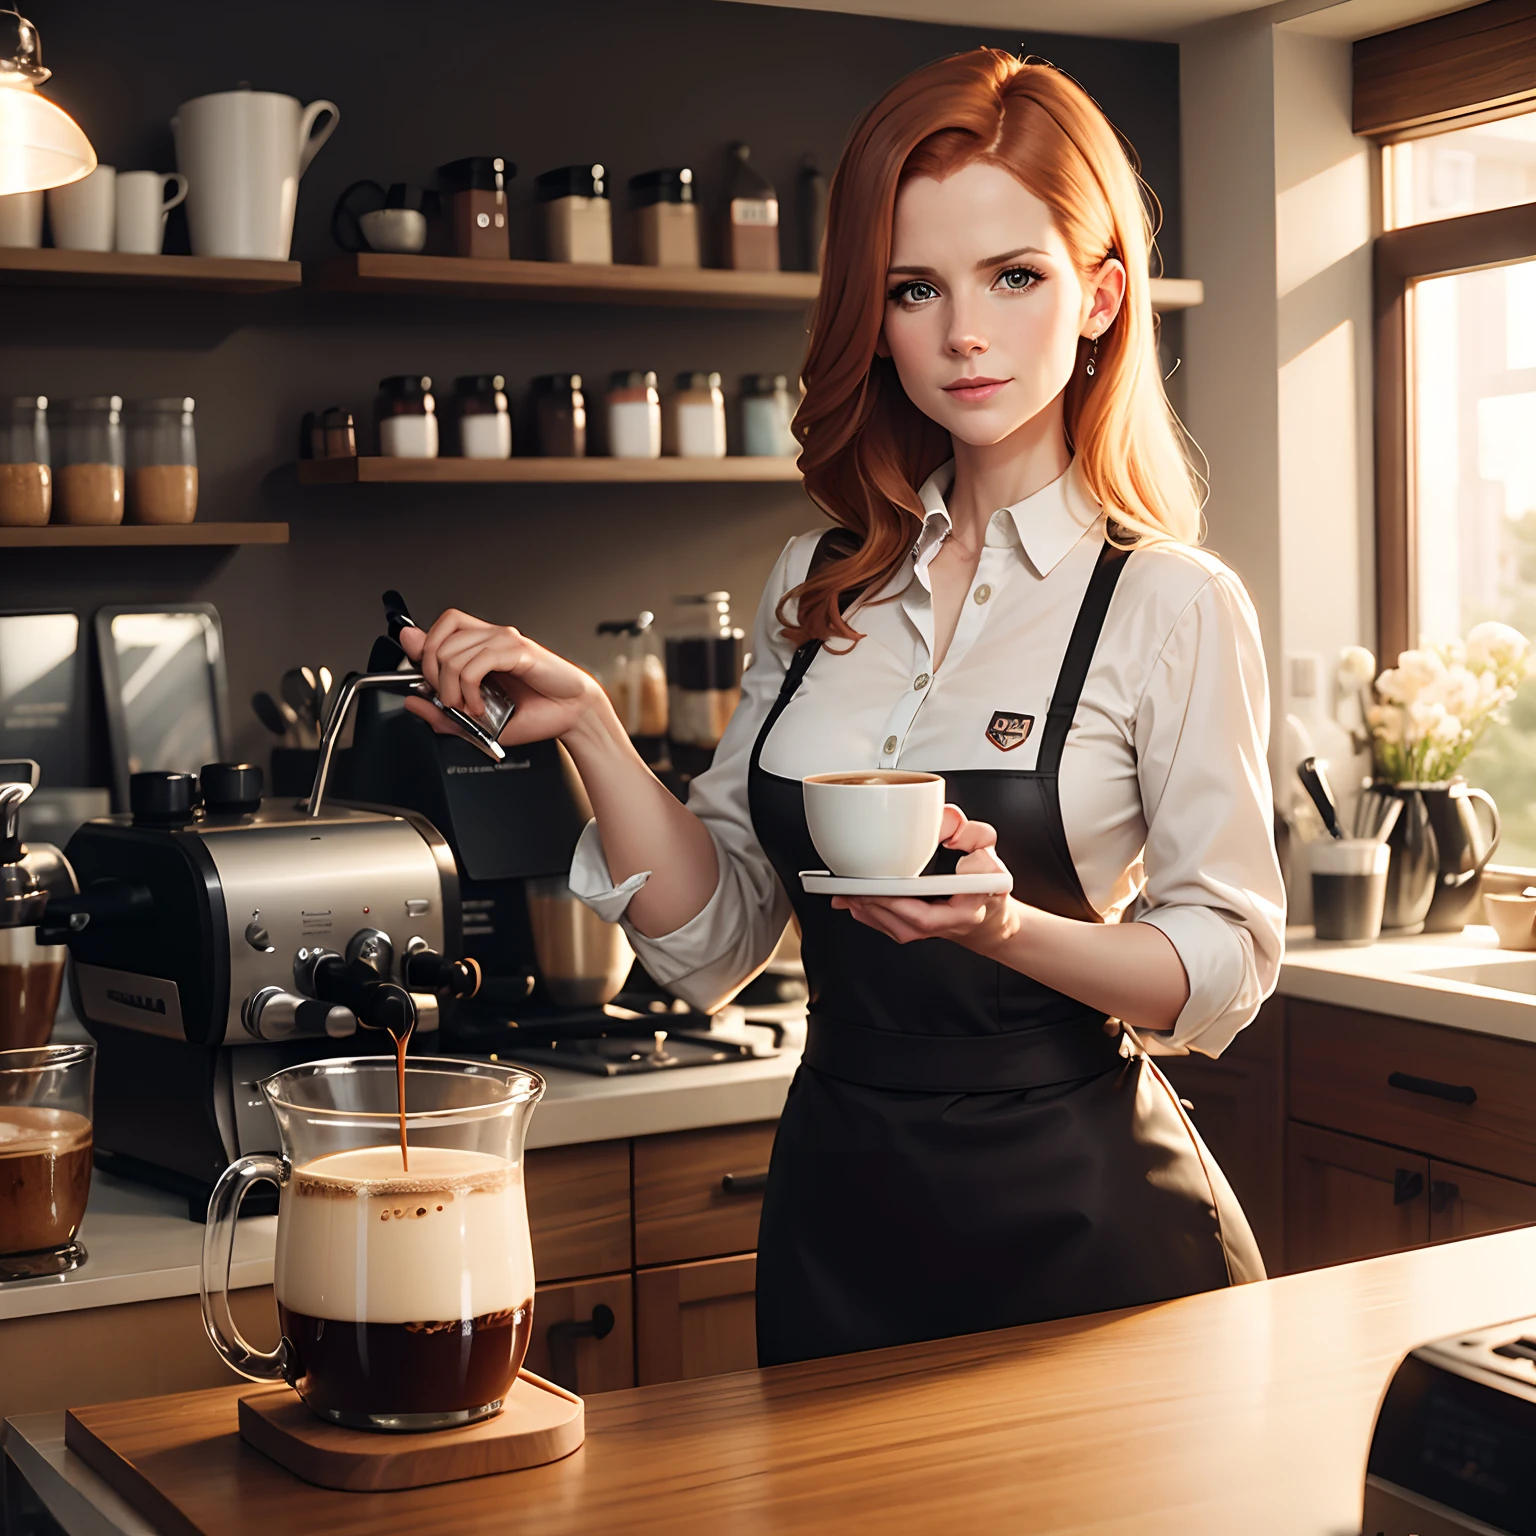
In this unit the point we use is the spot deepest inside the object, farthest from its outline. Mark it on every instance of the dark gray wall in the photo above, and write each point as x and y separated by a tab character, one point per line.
634	86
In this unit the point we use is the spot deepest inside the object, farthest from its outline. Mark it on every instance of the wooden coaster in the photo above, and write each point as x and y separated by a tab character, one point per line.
540	1423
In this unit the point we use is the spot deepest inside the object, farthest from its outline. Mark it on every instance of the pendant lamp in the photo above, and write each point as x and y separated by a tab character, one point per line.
41	145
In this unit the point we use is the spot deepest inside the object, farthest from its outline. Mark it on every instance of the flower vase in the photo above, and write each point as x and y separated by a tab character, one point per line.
1414	869
1464	851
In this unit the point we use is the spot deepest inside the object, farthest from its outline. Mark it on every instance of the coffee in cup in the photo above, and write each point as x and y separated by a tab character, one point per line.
875	823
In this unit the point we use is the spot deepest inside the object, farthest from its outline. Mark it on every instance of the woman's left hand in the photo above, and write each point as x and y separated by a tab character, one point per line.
976	922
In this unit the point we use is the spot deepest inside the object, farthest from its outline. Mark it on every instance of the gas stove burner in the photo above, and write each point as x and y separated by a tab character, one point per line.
629	1048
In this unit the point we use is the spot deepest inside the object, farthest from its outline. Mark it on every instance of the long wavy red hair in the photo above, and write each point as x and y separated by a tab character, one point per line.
865	448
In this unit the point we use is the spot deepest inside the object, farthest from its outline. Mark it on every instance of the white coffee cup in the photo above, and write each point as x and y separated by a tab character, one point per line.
21	220
879	823
142	205
83	215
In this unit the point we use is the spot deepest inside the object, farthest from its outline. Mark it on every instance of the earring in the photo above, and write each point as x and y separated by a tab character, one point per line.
1093	358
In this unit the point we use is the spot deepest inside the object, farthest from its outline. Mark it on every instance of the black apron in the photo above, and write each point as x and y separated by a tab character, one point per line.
964	1148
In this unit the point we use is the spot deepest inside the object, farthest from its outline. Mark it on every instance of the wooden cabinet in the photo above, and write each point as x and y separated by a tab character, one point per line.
1347	1198
698	1194
1237	1102
584	1334
579	1209
697	1319
1464	1202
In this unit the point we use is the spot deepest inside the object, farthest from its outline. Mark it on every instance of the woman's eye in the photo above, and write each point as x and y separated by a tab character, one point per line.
1019	279
915	292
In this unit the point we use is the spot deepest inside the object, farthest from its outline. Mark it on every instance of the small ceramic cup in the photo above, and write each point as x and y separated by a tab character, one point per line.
83	214
1513	918
1349	888
873	824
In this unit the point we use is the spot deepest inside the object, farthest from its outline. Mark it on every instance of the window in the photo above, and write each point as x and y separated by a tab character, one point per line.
1464	170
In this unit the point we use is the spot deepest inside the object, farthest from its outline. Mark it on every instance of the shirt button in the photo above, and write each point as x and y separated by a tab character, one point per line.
920	681
983	592
890	745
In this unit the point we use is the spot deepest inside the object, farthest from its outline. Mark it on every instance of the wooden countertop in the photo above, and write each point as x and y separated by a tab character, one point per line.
1247	1410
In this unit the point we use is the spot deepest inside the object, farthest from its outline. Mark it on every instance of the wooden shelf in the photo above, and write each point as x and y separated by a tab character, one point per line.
1171	293
597	471
136	536
114	269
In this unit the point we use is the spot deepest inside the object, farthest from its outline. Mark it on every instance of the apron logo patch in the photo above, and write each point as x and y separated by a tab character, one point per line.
1008	731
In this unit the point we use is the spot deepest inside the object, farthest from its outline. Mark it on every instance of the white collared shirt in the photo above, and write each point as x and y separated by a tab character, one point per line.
1164	783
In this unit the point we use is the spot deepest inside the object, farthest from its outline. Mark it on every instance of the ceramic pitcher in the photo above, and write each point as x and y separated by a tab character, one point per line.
243	153
1465	849
1415	864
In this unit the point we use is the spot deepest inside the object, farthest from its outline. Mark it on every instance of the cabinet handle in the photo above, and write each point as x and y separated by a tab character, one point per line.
1457	1093
744	1183
598	1326
1406	1185
1442	1195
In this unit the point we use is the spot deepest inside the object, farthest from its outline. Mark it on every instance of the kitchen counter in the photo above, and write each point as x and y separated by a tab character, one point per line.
1461	980
1242	1410
143	1248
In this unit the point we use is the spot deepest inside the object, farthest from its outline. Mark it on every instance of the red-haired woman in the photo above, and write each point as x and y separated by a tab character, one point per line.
976	1136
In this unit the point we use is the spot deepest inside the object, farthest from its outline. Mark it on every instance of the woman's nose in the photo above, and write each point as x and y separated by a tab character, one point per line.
964	341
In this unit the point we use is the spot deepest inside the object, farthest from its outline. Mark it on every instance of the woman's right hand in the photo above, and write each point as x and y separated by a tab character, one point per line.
554	697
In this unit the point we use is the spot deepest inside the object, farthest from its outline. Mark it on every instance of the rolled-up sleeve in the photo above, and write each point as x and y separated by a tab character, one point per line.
716	952
1213	883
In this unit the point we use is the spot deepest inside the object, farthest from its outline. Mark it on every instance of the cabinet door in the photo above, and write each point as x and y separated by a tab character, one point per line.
1350	1199
584	1334
1237	1102
698	1194
697	1319
1463	1202
578	1209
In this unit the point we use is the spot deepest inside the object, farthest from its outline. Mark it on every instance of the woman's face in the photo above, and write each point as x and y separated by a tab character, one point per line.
984	303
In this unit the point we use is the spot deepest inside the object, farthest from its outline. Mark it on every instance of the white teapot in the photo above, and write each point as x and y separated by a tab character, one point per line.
243	153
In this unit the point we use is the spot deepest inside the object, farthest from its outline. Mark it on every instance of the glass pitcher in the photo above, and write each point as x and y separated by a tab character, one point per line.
404	1285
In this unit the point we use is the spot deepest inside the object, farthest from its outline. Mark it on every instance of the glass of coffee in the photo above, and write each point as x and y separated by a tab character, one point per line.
404	1270
45	1158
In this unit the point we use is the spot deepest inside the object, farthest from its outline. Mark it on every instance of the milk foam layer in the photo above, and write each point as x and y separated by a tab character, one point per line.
29	1131
360	1241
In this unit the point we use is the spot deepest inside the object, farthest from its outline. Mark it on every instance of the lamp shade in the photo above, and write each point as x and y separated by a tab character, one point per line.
41	145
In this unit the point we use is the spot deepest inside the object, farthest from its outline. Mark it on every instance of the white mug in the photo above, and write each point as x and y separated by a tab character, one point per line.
83	214
877	823
142	206
21	220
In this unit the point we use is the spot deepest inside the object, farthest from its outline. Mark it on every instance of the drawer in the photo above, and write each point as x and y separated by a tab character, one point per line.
578	1209
584	1334
1446	1092
697	1319
699	1193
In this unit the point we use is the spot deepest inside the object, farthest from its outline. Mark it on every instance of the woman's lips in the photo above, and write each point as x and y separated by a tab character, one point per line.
974	389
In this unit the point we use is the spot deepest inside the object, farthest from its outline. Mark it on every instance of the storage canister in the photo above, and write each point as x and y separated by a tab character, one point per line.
634	416
162	460
481	416
578	218
666	217
752	216
560	416
766	412
406	415
26	481
475	205
88	479
704	665
696	418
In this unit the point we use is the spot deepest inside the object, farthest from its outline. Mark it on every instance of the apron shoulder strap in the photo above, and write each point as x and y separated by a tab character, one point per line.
1080	648
835	544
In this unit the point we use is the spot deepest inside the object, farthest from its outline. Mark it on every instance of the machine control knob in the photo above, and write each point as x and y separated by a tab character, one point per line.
230	789
373	949
161	799
270	1013
257	936
340	1023
428	971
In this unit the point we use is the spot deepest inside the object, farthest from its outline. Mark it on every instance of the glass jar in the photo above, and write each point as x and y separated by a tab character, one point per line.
406	415
26	481
578	217
634	416
752	217
162	460
666	217
704	666
88	481
481	416
338	434
560	416
475	205
696	417
766	412
635	679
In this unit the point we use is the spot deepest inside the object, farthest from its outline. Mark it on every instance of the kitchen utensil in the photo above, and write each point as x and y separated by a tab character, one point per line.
21	220
271	714
1315	782
243	153
1465	850
1513	918
875	825
1415	866
817	882
1385	824
142	206
1349	888
83	214
396	221
582	959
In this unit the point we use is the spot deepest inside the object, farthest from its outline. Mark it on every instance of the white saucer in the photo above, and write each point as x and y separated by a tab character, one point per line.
819	883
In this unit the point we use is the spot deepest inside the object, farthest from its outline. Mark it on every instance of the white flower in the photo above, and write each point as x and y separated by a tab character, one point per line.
1386	723
1414	672
1459	690
1446	731
1356	669
1496	645
1424	720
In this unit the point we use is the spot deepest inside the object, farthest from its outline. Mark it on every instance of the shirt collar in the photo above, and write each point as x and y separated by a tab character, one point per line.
1045	525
